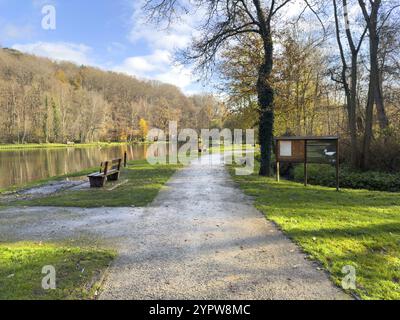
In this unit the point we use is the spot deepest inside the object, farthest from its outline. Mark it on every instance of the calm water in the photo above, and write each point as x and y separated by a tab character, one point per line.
19	167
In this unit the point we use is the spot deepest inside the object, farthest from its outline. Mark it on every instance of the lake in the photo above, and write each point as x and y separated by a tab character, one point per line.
22	166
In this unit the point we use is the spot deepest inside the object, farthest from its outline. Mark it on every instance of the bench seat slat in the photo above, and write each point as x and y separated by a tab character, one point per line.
110	172
98	174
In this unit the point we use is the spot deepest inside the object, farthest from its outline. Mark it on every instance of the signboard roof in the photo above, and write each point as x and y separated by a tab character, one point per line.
308	138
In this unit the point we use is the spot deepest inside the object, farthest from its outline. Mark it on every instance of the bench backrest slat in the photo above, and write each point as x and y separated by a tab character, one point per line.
116	164
110	165
106	168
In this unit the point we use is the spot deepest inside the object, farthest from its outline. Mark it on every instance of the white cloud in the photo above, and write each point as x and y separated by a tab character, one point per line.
179	76
157	66
176	35
61	51
162	41
138	66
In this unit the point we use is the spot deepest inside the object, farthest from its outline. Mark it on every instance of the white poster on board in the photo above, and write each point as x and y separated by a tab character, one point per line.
286	148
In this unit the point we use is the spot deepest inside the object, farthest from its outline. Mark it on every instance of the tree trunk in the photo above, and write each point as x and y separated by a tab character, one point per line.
376	90
352	112
369	117
349	88
266	126
265	91
375	79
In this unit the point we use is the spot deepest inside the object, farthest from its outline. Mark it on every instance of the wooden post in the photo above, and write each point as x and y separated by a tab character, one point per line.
125	159
278	164
305	164
337	166
119	163
278	174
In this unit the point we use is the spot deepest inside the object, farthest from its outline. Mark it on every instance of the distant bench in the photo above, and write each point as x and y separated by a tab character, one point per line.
109	170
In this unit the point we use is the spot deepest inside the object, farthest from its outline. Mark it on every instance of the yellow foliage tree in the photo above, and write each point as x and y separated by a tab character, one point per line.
144	128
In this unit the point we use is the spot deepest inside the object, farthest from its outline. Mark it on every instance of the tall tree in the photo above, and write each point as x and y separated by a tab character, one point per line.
144	129
56	121
46	119
349	82
225	20
375	87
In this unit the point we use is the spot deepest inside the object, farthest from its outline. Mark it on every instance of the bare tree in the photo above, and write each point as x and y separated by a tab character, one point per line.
224	21
349	82
371	19
375	93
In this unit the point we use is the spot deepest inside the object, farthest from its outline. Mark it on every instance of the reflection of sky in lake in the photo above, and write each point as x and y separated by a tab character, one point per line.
22	166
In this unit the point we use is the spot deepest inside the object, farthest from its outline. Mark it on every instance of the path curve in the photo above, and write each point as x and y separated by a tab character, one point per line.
202	239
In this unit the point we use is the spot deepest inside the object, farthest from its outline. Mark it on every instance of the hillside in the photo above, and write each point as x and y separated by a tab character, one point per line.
46	101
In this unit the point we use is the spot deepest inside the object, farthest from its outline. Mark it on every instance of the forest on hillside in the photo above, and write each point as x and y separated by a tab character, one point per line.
45	101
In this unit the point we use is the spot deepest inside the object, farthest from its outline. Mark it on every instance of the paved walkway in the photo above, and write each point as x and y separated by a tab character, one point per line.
203	239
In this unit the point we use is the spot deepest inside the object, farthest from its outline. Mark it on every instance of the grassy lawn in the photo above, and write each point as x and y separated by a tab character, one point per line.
352	227
143	184
78	271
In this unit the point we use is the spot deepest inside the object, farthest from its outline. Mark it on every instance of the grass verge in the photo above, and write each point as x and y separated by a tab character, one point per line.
143	182
78	271
353	227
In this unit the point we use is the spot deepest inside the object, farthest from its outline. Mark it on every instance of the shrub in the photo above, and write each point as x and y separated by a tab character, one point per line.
325	175
385	152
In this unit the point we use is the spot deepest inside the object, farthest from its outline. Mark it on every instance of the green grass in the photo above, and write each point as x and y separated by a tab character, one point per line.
78	271
144	183
234	147
352	227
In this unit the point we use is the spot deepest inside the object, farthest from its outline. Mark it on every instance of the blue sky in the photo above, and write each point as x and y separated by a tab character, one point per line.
110	34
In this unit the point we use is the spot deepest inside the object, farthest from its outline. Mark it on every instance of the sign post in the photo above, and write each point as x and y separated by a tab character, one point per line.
305	164
337	166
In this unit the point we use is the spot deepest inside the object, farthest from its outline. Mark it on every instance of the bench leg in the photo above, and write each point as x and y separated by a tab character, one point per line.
97	182
113	177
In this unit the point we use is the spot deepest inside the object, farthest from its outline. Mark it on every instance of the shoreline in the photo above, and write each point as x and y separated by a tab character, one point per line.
41	182
17	147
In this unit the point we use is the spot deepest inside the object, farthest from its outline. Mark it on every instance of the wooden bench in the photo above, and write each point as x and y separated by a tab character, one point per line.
109	170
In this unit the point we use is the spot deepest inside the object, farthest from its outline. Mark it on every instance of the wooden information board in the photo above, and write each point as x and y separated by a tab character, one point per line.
322	150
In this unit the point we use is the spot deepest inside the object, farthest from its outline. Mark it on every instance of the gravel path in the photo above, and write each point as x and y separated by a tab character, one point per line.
203	239
200	239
